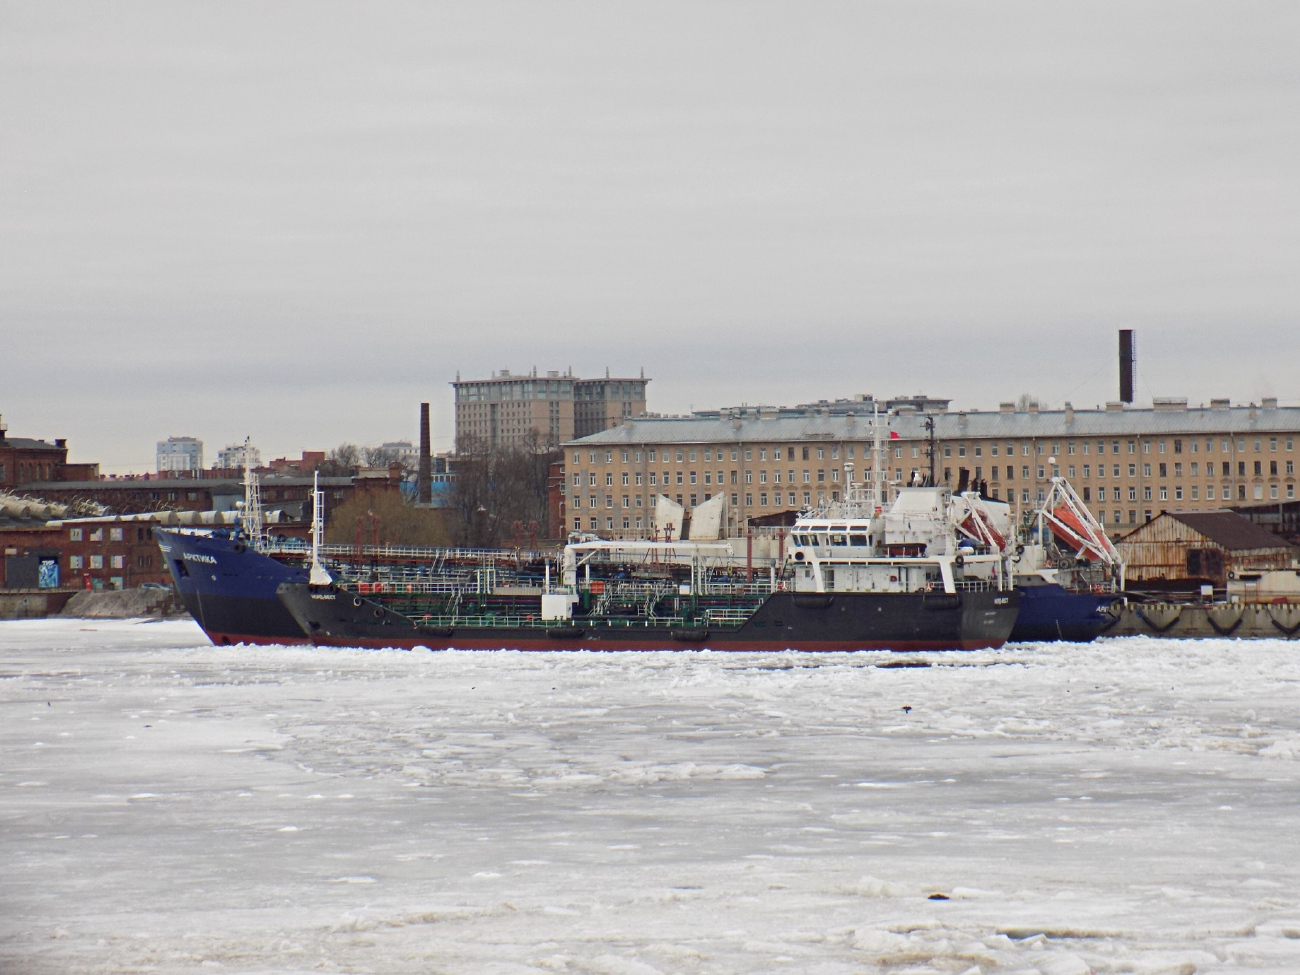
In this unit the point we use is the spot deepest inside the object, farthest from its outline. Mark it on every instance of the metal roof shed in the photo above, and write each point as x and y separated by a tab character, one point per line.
1201	546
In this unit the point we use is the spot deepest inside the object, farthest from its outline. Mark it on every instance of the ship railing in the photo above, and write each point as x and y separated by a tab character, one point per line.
762	588
294	546
730	616
974	586
380	588
536	622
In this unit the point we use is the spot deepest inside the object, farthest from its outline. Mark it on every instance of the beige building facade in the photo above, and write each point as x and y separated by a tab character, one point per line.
510	409
1127	464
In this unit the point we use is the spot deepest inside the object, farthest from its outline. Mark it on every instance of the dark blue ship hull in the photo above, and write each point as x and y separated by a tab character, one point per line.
229	588
1049	611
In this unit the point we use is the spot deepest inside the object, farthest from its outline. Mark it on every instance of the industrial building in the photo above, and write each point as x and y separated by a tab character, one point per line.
1180	548
1127	463
510	410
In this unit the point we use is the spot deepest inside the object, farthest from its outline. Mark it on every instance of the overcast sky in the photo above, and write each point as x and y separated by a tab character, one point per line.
297	221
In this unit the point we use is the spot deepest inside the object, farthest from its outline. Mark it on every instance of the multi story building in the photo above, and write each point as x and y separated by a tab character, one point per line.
233	456
512	410
180	454
1127	464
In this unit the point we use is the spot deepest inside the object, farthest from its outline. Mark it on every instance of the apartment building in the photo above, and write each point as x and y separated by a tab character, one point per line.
180	454
511	410
1127	464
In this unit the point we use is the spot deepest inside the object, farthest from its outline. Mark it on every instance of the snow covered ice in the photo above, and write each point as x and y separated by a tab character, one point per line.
169	806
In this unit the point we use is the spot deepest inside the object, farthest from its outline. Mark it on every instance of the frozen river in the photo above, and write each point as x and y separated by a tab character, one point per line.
167	806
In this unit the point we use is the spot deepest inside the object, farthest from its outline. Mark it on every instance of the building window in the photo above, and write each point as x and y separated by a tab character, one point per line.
749	500
1209	492
1146	493
625	478
75	562
1259	492
117	560
74	534
97	561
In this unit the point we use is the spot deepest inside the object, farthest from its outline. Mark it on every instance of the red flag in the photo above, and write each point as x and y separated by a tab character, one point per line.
893	434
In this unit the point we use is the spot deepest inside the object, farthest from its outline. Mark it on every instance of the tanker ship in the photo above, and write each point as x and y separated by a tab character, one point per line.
930	572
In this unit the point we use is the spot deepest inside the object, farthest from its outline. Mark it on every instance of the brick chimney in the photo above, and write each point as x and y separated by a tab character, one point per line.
423	487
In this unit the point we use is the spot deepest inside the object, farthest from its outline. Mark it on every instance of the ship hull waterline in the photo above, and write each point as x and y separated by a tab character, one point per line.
836	622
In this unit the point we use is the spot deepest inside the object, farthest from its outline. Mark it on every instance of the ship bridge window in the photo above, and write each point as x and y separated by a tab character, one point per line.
859	540
839	539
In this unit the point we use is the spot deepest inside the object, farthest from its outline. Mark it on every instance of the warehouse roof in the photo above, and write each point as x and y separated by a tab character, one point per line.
27	443
752	426
1229	529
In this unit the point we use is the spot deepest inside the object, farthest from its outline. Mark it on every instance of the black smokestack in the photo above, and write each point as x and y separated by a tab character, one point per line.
1127	365
424	487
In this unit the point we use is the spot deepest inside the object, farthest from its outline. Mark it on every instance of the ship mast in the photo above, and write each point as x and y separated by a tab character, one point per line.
252	518
318	576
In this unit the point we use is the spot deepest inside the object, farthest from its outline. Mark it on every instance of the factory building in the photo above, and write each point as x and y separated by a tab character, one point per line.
1127	464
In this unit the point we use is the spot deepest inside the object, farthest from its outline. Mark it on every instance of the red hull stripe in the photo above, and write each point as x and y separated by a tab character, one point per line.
229	639
452	643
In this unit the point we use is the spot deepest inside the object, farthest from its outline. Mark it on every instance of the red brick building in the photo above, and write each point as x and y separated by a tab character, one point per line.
23	460
101	553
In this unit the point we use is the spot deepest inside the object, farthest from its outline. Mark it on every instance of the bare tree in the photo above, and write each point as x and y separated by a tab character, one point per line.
380	456
496	489
343	461
1028	400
